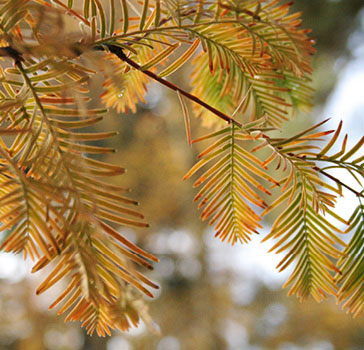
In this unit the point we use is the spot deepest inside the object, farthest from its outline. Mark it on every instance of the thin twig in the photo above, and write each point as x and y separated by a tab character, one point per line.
118	51
316	168
335	179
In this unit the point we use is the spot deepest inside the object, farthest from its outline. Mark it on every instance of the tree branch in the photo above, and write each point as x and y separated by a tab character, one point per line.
118	51
335	179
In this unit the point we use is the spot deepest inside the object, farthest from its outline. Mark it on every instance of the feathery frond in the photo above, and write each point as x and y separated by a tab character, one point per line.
351	265
308	238
255	53
59	205
301	230
350	281
251	66
53	201
246	62
231	181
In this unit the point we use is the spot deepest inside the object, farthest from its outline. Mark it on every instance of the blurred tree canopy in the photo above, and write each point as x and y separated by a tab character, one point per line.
331	22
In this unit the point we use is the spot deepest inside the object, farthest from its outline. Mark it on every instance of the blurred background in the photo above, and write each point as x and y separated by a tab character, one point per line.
213	296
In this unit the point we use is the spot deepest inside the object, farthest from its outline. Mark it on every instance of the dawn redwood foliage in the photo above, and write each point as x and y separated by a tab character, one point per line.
251	67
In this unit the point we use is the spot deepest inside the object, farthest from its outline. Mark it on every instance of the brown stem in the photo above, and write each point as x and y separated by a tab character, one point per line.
118	51
335	179
8	51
